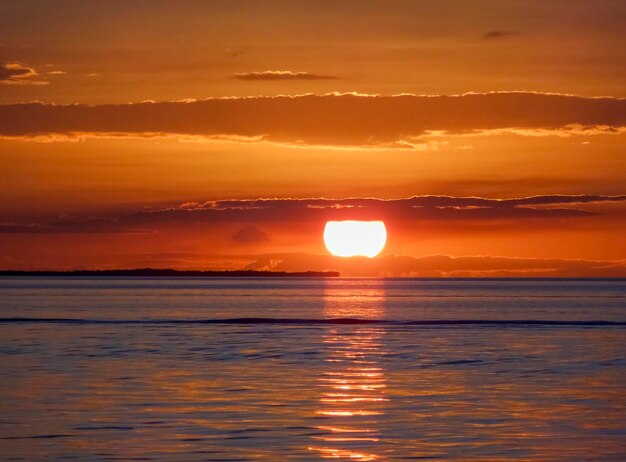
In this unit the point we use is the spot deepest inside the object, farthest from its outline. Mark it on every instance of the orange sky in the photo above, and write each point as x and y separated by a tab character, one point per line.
434	113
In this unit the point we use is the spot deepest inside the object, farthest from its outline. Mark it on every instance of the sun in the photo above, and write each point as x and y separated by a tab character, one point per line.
355	238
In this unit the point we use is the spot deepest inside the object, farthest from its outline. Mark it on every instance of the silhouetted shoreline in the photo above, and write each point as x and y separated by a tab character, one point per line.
151	272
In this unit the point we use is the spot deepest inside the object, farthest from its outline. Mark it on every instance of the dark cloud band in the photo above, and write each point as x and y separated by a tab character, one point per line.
345	120
542	210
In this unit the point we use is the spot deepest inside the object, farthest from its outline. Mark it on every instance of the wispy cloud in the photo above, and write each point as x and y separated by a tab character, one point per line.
14	73
498	34
250	234
282	75
236	52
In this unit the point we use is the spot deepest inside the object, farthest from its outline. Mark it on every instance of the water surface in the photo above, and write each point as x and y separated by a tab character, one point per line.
309	369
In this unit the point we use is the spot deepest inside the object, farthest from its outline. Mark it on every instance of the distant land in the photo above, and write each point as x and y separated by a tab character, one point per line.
152	272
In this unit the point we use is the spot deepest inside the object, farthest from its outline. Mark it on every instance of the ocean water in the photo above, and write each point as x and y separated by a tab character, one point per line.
312	369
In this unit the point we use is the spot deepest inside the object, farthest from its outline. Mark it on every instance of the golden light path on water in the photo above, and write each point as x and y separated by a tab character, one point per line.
353	385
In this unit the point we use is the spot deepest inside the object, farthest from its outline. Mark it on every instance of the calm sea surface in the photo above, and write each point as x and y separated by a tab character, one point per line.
309	369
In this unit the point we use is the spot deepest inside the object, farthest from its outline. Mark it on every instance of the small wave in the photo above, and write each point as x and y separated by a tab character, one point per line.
34	437
332	321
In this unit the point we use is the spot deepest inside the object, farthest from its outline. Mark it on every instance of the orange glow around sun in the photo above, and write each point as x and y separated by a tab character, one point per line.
355	238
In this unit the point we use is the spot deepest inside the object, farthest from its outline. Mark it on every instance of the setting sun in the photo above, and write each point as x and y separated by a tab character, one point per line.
355	238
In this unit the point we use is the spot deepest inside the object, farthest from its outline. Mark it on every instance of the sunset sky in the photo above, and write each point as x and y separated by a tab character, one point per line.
489	136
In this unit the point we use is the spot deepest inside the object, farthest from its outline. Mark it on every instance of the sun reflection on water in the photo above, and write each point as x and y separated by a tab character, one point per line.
352	388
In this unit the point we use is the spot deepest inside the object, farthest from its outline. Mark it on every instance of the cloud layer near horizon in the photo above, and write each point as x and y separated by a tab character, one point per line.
334	119
441	266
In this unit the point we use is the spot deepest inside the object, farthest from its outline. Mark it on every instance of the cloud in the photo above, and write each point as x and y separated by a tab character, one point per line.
338	120
236	52
441	266
56	73
14	73
420	208
498	34
70	225
467	213
282	75
393	265
23	228
250	234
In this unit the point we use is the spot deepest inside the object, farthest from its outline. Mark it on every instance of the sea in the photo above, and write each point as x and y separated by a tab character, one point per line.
305	369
